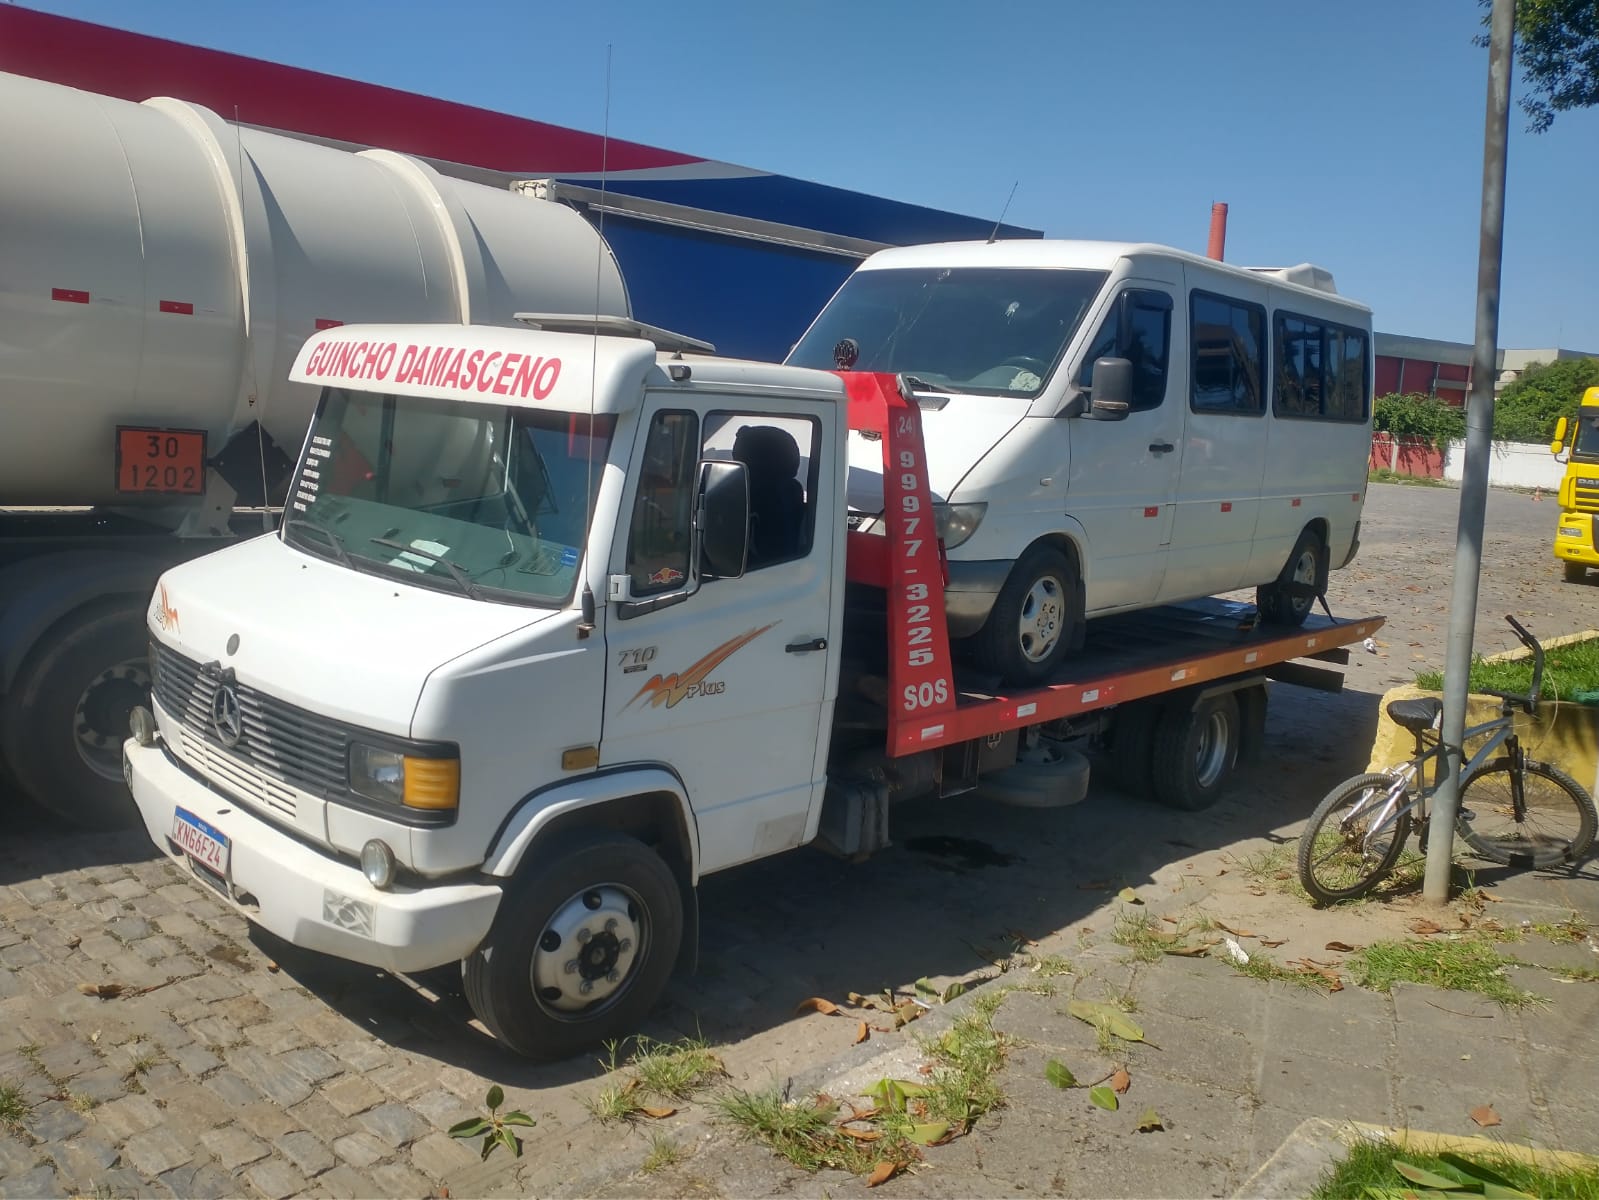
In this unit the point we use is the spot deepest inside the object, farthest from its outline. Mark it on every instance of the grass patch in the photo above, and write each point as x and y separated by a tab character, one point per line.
82	1103
1140	933
1263	967
1577	974
1468	965
1388	475
1573	929
1368	1170
668	1073
14	1106
960	1087
664	1152
1567	671
1049	966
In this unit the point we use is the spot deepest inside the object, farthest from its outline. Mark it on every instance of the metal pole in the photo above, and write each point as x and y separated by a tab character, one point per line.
1479	445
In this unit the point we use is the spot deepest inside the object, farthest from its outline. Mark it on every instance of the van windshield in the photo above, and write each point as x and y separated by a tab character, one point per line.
1585	442
492	501
988	331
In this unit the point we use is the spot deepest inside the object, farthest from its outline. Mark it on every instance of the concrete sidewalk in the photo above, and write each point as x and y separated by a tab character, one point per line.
1240	1063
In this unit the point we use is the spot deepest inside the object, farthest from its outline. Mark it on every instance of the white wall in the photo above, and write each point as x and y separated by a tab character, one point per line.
1511	464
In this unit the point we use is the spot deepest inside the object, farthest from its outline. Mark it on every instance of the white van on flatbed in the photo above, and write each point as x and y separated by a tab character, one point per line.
1112	426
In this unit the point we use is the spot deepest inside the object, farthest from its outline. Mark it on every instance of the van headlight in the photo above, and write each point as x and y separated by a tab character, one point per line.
414	781
957	522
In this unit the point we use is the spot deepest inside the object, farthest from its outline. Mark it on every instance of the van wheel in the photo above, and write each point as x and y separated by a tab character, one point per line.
1576	572
1306	567
581	948
1193	752
1034	619
66	716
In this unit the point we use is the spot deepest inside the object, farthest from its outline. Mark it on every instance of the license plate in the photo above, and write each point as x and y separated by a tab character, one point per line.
206	846
168	461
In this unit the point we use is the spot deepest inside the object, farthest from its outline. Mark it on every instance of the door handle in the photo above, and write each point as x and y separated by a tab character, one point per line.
806	647
1161	447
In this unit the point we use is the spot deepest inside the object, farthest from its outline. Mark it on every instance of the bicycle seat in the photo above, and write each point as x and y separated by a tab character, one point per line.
1415	715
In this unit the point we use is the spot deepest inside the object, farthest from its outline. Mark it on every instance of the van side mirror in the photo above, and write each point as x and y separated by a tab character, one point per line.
1559	442
1111	397
723	519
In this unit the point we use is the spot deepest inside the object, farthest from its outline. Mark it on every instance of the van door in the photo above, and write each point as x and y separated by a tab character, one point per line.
729	685
1224	447
1123	476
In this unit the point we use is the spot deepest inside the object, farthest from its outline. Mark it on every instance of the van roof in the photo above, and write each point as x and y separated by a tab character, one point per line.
526	368
1068	254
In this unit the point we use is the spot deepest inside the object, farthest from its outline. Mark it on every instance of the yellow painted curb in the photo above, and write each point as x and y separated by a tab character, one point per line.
1422	1142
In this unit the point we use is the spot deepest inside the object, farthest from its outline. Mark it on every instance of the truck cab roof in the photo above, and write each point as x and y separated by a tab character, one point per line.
528	368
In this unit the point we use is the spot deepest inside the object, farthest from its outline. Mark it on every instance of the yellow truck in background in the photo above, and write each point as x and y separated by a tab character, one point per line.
1577	538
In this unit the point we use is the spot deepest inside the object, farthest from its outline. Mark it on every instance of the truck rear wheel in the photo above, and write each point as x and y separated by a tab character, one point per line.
1282	601
1193	751
66	716
1034	619
1576	572
581	949
1132	746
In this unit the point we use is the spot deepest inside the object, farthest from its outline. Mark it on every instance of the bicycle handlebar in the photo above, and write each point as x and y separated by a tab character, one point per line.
1527	640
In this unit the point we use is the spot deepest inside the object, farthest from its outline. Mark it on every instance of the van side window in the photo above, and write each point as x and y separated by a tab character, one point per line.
1229	340
1321	370
663	507
1139	330
782	456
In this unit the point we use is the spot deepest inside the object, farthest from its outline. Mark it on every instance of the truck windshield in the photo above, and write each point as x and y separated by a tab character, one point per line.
490	501
1585	441
978	330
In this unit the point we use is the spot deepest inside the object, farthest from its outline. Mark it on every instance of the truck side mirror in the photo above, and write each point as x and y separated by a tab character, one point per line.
1111	397
1559	442
723	519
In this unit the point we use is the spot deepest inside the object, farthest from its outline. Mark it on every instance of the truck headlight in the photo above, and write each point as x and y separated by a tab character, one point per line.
411	780
1569	531
957	522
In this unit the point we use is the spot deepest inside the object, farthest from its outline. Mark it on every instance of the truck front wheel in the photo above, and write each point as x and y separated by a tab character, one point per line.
66	716
581	949
1576	572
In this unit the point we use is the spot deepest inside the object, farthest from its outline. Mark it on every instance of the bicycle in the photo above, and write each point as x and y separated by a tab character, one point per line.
1514	810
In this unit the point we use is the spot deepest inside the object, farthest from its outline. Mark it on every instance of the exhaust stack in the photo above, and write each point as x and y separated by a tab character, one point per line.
1218	231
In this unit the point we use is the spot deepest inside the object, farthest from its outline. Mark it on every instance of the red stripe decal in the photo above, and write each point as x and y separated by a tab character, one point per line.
1355	496
1153	511
181	307
1296	501
1227	506
69	295
327	323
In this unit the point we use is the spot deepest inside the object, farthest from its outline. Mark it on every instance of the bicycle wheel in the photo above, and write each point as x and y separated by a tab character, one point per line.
1340	855
1556	826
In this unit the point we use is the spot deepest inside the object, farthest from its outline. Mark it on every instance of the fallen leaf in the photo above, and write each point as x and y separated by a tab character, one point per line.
929	1133
1489	896
105	991
1341	947
925	986
1236	932
1120	1081
1282	874
1424	1178
1128	896
273	967
1150	1121
860	1135
94	1037
1257	891
816	1004
1059	1074
74	942
1107	1017
862	1033
1171	919
1484	1116
891	1093
657	1114
882	1173
1188	951
1273	942
955	989
1104	1098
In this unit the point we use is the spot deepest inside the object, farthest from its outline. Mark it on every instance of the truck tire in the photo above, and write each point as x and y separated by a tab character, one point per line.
582	947
1193	751
66	716
1306	565
1034	620
1576	572
1056	778
1132	747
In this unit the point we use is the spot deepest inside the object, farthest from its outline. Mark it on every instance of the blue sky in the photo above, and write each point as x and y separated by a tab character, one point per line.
1345	134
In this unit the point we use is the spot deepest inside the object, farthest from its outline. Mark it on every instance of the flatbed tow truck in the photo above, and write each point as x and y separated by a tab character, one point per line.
519	731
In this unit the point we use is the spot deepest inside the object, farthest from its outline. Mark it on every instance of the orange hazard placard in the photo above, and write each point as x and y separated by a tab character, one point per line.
161	460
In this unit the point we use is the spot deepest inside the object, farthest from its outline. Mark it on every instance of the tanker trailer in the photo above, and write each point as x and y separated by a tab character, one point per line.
159	269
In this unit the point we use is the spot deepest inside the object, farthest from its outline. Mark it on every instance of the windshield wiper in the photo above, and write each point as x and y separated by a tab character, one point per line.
334	539
457	572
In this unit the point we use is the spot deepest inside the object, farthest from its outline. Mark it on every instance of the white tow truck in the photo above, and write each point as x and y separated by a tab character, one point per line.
559	622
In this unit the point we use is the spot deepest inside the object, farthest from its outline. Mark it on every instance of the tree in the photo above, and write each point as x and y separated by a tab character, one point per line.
1527	410
1557	48
1418	416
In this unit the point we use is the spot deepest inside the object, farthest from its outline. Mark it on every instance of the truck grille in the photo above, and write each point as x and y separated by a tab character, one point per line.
1586	499
281	744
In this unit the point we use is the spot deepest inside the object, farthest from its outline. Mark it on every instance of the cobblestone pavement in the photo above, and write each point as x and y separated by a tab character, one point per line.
229	1063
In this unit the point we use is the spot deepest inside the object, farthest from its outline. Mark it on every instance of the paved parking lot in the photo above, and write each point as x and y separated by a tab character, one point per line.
214	1061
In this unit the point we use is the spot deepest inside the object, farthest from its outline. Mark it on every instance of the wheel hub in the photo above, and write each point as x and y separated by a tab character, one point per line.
586	953
1043	614
100	720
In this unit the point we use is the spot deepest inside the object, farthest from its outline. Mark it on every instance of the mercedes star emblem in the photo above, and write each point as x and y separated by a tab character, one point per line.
225	718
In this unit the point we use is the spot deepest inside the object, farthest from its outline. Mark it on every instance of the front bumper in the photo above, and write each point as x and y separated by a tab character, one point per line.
1581	545
306	896
973	588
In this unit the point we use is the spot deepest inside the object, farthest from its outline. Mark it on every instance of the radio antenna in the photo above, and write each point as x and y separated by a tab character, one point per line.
586	624
995	235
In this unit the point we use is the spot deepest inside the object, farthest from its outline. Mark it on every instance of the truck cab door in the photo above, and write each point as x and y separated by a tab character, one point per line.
729	682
